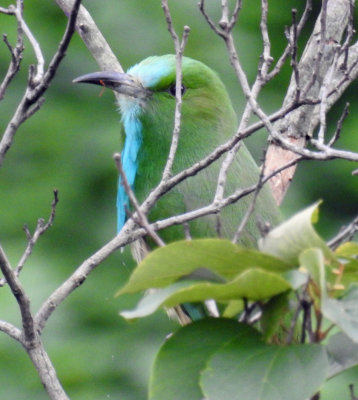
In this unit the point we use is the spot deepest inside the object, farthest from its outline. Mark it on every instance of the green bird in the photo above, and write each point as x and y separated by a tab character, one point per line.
147	104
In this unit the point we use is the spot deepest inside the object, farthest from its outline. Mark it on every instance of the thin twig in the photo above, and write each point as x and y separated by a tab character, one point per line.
31	100
11	331
60	53
281	61
16	58
293	38
142	219
36	79
266	53
40	229
344	235
224	20
20	295
338	130
351	391
252	205
211	23
235	14
179	50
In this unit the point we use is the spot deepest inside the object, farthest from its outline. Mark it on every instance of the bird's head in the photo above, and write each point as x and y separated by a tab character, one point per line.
149	87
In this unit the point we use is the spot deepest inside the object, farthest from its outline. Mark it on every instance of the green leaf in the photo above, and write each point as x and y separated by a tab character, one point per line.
183	356
152	300
246	369
342	354
350	273
312	261
343	312
226	260
274	312
296	278
348	249
293	236
253	284
233	308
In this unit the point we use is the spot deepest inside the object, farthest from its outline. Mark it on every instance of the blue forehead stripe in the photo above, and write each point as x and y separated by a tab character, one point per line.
151	70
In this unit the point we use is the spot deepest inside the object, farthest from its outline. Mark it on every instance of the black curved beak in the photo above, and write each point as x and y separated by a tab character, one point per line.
117	81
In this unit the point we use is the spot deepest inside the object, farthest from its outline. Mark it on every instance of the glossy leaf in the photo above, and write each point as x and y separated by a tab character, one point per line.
342	354
249	370
184	355
344	312
274	313
226	260
253	284
348	249
295	235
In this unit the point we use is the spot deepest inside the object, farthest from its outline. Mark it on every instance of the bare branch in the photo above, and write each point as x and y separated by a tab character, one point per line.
40	229
60	53
235	14
293	37
142	219
20	295
209	20
252	205
337	133
32	101
92	37
224	20
296	126
16	58
11	331
288	49
215	208
179	50
345	234
18	12
266	53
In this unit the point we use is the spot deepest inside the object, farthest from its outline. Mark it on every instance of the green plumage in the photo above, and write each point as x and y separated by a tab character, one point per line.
208	120
147	104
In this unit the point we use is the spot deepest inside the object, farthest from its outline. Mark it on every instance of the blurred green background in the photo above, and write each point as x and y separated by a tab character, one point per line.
69	144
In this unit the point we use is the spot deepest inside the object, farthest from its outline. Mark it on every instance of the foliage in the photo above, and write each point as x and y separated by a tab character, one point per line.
298	303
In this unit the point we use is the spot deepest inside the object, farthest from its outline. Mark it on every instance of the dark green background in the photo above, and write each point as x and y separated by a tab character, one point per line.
69	144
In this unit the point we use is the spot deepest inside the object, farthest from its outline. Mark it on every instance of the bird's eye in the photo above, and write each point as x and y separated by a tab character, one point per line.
172	89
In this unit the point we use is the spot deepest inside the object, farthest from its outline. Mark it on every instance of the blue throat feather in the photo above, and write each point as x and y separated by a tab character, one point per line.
149	72
133	140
